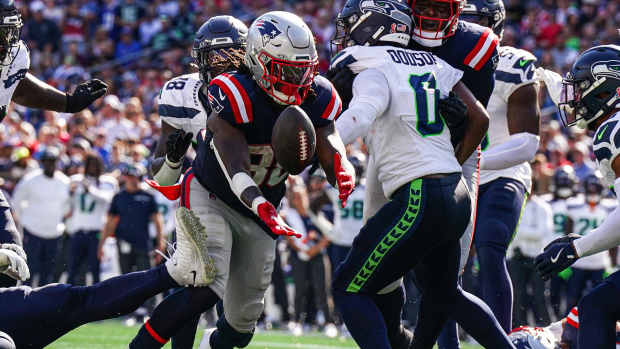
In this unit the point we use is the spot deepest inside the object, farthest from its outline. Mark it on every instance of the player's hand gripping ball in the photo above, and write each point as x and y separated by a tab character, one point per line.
294	140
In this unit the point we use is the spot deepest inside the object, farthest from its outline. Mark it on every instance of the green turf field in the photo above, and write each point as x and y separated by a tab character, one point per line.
113	335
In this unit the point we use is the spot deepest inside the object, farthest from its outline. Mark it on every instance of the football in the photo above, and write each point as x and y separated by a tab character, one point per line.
293	140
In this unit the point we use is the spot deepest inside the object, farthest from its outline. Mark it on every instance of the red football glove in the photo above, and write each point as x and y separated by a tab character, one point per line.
345	177
267	213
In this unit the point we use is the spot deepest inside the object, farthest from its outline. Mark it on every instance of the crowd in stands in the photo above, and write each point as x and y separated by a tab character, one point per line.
135	46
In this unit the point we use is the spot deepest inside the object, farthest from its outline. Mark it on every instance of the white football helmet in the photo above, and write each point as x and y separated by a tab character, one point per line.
282	56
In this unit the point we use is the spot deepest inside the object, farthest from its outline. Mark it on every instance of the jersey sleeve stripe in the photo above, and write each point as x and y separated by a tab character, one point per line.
167	110
488	53
244	95
234	97
334	107
483	49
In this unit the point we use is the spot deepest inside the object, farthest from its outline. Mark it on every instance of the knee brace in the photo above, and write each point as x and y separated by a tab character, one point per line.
6	342
226	336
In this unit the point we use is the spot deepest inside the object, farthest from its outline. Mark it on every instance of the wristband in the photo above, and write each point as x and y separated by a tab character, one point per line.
257	202
173	165
240	182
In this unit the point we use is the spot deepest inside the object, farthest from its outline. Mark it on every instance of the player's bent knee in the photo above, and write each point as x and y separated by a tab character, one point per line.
593	302
6	342
493	233
232	337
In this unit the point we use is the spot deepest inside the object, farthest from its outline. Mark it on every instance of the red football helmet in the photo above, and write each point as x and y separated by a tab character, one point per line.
435	19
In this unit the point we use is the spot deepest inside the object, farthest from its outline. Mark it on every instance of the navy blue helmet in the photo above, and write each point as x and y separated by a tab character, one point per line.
591	88
10	31
564	182
212	42
488	13
371	23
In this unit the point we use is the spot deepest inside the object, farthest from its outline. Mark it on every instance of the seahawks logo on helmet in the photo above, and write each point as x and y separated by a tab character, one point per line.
267	30
384	7
610	69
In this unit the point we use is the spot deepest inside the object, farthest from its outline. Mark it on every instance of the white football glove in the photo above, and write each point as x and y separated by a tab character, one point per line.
553	81
13	265
15	248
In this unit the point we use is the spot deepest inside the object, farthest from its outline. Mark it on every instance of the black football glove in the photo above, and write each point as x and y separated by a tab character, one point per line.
84	94
454	112
177	144
557	256
342	79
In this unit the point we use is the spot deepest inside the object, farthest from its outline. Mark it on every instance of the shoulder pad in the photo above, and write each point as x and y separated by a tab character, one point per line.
178	98
359	58
515	66
18	69
327	104
479	42
229	96
606	142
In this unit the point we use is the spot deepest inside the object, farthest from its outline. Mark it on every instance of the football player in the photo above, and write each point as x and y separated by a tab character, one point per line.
235	182
183	105
505	172
395	105
591	99
25	89
393	300
36	317
589	214
564	184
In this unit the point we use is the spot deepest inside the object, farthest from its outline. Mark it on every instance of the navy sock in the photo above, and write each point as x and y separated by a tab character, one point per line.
226	337
448	338
173	313
495	283
477	319
598	312
363	319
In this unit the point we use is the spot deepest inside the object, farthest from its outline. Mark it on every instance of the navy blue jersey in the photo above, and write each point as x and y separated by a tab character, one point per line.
472	49
240	101
135	211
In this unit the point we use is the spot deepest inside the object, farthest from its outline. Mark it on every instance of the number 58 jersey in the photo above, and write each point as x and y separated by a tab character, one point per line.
408	139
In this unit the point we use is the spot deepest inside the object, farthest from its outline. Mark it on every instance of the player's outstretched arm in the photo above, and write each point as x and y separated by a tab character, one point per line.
523	125
333	158
231	150
34	93
477	123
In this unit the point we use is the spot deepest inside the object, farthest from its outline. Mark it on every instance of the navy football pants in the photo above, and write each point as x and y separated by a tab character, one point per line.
42	256
500	203
410	231
34	318
598	312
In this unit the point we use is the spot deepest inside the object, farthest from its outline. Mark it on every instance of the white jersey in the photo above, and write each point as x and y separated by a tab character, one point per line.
180	105
515	69
12	75
408	139
89	209
606	145
351	218
585	218
559	208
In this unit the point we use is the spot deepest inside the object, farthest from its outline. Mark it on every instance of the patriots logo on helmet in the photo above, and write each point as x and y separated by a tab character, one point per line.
609	69
268	30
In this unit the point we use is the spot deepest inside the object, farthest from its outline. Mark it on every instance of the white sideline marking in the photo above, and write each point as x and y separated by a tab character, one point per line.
294	345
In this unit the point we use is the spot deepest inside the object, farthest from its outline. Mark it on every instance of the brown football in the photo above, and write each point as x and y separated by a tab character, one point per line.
293	140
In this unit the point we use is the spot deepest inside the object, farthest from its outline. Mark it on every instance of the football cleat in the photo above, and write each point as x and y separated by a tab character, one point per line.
204	344
190	265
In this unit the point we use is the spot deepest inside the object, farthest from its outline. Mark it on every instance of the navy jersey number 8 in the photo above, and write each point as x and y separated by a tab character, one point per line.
426	98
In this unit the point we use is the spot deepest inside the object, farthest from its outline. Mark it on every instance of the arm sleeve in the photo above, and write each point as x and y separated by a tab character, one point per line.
518	148
606	236
371	98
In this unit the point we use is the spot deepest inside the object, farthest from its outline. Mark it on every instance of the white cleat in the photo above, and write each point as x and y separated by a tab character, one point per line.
190	265
204	344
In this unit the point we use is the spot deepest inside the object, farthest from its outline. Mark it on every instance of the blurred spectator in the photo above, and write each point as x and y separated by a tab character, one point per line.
91	194
41	31
581	163
41	202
